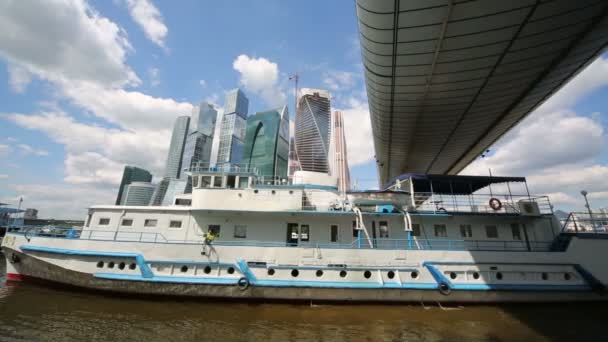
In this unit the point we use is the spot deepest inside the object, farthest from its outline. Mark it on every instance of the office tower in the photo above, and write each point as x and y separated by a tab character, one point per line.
312	130
173	167
232	129
267	144
197	149
340	157
139	193
131	174
294	163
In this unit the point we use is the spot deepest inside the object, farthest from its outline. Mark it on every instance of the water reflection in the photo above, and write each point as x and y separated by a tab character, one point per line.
34	313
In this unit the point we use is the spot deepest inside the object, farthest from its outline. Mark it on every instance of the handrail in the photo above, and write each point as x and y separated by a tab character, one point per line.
582	222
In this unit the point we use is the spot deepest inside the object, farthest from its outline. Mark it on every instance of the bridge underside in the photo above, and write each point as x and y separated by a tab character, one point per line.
445	79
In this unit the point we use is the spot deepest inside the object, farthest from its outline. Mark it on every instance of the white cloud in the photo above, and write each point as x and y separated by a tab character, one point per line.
203	83
3	176
92	167
4	149
27	149
261	76
19	78
70	41
154	75
149	18
339	80
358	132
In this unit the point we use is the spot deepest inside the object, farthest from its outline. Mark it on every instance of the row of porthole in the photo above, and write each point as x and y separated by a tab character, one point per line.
272	192
207	269
544	275
367	274
112	264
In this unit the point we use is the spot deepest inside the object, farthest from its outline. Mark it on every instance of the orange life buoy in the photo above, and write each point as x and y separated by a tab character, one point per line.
495	203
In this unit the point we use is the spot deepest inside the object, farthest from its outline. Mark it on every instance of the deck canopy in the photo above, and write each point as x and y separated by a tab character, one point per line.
450	185
446	78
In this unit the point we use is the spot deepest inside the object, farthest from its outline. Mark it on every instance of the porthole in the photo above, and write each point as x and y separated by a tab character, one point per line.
453	275
566	276
121	266
291	192
230	270
319	273
207	269
295	273
475	275
544	275
100	264
414	275
367	274
255	191
111	264
343	274
184	269
132	266
270	271
390	274
273	192
499	275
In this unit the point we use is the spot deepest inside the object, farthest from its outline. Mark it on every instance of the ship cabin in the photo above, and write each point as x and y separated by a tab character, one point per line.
413	211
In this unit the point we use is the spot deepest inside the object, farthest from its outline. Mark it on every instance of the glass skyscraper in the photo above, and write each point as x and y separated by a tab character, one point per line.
129	175
138	193
173	168
197	148
312	130
267	144
232	129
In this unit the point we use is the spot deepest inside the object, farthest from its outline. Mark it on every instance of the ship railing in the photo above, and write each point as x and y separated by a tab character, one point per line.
88	234
222	168
585	223
478	203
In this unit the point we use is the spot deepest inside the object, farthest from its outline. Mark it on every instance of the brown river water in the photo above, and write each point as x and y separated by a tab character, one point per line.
30	312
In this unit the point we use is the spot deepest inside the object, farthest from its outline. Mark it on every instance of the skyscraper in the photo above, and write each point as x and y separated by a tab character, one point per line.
173	167
294	163
131	174
138	193
340	158
312	130
267	144
232	129
197	148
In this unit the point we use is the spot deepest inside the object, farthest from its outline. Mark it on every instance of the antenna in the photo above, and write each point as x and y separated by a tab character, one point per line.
295	77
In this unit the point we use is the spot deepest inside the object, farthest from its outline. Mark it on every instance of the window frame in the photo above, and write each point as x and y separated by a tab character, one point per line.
176	228
518	227
211	228
208	184
148	221
122	222
466	231
489	228
416	229
334	233
302	228
383	232
236	230
104	224
437	228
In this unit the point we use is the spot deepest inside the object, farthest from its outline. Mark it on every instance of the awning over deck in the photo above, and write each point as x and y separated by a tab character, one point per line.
452	185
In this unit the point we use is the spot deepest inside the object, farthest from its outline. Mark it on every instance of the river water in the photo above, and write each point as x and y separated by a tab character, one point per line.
30	312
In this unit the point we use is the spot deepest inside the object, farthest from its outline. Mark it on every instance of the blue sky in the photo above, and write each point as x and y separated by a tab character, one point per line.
91	86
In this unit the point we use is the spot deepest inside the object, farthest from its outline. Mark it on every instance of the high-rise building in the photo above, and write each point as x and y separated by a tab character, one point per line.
139	193
232	129
173	167
131	174
267	144
197	148
313	129
294	163
340	157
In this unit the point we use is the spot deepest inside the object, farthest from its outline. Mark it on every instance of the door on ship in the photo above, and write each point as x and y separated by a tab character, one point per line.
293	234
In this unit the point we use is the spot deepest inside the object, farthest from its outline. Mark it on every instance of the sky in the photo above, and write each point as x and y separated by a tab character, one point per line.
91	86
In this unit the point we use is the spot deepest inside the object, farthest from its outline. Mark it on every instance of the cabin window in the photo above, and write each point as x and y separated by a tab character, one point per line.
231	182
150	223
515	231
240	231
205	181
104	221
217	181
440	230
466	231
127	222
214	229
355	230
175	224
333	233
194	181
492	232
183	201
243	182
416	229
383	229
304	232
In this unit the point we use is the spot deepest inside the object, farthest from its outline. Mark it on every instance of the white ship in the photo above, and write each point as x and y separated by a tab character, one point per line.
422	238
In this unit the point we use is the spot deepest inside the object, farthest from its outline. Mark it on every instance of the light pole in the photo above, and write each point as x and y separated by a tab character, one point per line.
584	193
